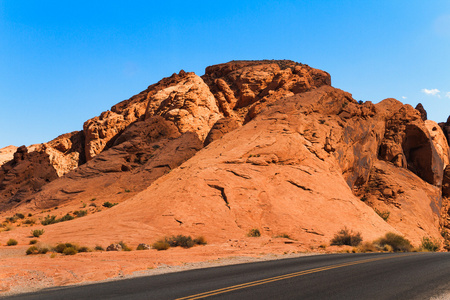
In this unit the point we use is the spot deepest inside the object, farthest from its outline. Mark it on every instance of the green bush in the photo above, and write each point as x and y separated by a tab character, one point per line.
254	233
161	245
32	242
29	222
11	242
383	214
37	232
429	244
49	220
80	213
346	237
397	242
67	217
109	204
99	248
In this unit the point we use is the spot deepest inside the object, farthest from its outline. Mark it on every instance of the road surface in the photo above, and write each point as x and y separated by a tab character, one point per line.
334	276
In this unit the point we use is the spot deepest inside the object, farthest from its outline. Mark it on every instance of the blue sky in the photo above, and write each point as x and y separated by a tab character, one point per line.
63	62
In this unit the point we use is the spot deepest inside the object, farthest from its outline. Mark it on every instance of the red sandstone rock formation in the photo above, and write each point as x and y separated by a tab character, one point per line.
286	152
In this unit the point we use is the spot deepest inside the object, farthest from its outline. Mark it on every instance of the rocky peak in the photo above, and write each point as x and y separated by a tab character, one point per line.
423	112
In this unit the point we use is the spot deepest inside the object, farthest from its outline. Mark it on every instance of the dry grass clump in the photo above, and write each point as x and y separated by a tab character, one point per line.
346	237
161	245
36	250
393	242
366	247
11	242
124	246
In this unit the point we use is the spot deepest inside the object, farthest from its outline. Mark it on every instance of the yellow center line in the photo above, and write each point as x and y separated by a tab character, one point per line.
282	277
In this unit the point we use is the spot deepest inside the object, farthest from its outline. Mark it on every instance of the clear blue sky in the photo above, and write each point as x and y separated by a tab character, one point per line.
63	62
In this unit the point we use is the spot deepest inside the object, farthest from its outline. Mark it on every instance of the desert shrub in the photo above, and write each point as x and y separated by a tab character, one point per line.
20	216
36	250
429	244
12	219
397	242
37	232
161	245
11	242
70	251
180	241
32	250
67	217
254	232
80	213
99	248
124	246
109	204
200	241
32	242
383	214
49	220
29	221
346	237
283	235
84	249
60	247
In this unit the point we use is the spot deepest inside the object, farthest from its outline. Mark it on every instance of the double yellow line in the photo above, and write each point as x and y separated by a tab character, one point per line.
282	277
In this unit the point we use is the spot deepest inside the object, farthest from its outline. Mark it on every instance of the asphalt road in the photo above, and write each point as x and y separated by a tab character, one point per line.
335	276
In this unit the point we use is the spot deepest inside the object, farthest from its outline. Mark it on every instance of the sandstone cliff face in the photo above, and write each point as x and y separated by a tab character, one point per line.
267	144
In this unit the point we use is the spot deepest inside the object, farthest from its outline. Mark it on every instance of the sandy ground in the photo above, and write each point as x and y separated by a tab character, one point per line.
20	273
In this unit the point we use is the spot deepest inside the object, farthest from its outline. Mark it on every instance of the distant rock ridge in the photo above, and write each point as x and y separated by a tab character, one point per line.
249	142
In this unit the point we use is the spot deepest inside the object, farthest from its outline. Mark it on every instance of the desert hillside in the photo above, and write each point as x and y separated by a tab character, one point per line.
266	145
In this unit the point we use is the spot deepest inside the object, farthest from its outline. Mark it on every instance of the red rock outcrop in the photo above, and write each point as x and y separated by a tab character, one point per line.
7	153
286	153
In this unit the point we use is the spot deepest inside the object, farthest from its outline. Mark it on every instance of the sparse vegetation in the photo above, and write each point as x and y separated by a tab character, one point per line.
49	220
36	250
346	237
429	244
37	232
67	217
200	241
32	242
80	213
124	246
254	232
11	242
284	236
29	222
99	248
178	241
109	204
161	245
383	214
366	247
141	247
396	242
69	251
20	216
